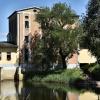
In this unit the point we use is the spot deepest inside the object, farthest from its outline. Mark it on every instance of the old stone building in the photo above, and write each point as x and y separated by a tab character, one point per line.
22	27
8	61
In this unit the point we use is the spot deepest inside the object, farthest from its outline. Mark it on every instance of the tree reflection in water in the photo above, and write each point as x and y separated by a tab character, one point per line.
18	91
41	92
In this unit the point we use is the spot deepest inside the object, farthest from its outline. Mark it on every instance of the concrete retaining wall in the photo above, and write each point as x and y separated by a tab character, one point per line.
8	73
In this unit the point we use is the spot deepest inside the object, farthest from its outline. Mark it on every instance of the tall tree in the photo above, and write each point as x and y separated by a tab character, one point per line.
92	28
58	33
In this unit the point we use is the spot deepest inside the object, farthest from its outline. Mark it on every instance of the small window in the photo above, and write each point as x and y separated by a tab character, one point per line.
8	56
26	24
34	10
26	17
26	39
0	56
26	55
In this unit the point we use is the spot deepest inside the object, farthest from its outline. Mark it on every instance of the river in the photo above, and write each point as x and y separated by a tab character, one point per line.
44	91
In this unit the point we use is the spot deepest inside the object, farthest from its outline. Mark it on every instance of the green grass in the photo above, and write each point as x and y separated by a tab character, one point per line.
60	76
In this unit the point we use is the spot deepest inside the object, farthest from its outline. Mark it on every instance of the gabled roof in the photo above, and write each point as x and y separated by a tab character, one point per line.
28	9
7	45
24	10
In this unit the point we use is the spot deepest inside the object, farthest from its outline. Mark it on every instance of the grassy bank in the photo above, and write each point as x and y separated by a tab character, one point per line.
59	76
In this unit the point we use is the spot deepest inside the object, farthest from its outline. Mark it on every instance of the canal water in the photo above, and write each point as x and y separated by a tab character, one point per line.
44	91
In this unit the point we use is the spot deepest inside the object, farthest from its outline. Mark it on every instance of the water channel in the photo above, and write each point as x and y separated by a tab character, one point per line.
44	91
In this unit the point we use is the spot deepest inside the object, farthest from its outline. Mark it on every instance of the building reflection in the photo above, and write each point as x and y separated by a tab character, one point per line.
72	96
19	91
40	92
8	90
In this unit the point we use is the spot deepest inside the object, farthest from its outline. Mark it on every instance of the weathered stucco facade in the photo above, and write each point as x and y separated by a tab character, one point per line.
21	24
22	27
8	61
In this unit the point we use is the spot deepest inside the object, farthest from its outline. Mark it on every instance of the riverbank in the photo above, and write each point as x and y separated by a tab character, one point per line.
58	76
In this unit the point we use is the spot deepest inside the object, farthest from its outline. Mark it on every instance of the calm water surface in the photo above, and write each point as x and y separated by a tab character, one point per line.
19	91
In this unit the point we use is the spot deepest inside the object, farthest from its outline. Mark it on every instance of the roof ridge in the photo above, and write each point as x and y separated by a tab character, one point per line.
28	8
24	9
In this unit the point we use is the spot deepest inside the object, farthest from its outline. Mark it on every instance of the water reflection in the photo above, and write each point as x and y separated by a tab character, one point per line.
40	92
8	90
19	91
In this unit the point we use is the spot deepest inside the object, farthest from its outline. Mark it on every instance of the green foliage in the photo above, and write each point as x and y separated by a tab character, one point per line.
92	70
92	28
58	40
96	72
38	51
63	76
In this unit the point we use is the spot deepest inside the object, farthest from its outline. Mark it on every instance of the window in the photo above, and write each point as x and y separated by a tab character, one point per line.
8	56
0	55
26	17
26	39
26	24
26	55
34	10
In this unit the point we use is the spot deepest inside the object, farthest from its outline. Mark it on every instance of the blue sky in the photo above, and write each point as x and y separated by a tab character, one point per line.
9	6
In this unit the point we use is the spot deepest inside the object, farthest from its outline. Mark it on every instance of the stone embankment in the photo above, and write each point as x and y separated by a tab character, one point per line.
10	73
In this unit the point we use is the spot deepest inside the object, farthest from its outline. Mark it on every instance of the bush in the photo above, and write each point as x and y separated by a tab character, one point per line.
61	76
92	70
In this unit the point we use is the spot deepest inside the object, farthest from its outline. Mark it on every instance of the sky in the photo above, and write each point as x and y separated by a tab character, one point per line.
7	7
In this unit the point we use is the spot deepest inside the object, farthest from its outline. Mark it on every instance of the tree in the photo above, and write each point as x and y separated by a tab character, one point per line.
58	33
92	28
